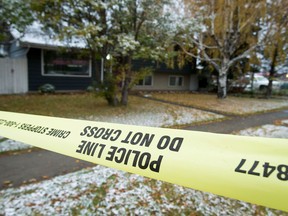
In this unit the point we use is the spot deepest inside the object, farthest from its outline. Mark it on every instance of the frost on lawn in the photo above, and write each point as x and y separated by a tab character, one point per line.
162	116
106	191
267	131
271	131
11	145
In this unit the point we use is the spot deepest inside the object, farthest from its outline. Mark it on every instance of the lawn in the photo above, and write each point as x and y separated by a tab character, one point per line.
60	105
88	106
105	191
230	105
140	111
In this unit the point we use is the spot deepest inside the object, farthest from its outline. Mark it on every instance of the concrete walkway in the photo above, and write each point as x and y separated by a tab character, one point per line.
36	165
240	122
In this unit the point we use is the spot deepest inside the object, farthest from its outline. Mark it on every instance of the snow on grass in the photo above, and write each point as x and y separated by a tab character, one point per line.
159	116
271	131
285	122
231	105
12	145
162	115
105	191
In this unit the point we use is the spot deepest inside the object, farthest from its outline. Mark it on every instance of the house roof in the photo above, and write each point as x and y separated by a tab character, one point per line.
162	67
34	36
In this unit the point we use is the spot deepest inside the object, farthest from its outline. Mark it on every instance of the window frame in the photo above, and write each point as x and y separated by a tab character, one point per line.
177	77
143	84
64	75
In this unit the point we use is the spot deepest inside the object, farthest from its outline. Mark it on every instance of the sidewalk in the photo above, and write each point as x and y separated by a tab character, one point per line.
37	165
240	122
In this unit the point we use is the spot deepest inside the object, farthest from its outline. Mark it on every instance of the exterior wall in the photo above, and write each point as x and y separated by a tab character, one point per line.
160	82
36	78
13	75
20	75
194	82
160	77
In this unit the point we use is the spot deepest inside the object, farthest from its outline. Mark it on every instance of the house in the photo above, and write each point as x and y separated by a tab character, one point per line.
167	79
34	59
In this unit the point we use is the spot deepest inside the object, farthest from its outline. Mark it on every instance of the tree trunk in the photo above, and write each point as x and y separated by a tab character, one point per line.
111	91
127	81
113	100
96	73
252	84
269	88
125	89
222	85
272	73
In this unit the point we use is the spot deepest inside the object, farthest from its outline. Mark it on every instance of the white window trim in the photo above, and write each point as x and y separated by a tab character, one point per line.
147	85
177	76
61	75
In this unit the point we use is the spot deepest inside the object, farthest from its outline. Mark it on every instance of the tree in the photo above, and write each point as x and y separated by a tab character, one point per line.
124	29
81	22
139	30
275	48
227	33
14	14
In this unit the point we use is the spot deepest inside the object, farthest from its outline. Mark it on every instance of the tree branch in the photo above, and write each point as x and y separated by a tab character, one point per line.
243	55
206	56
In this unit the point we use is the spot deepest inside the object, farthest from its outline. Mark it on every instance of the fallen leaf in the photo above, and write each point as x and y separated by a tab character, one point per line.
30	204
32	180
7	182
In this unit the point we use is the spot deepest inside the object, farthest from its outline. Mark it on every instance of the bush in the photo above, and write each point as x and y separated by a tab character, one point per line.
284	86
90	89
47	88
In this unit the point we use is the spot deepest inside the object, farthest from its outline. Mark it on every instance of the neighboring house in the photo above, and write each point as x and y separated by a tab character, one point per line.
35	59
167	79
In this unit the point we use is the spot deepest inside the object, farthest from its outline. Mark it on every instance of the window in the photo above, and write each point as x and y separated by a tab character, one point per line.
147	81
65	64
175	80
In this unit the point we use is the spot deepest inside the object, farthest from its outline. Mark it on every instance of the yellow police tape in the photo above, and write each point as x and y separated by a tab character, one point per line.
246	168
